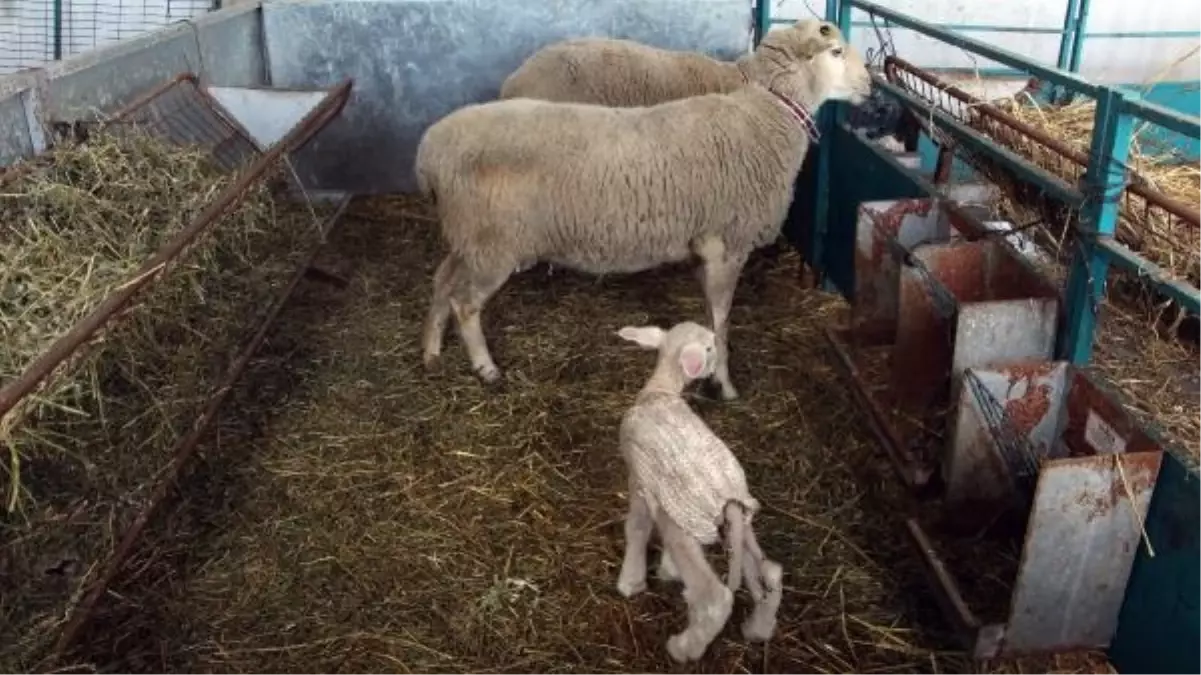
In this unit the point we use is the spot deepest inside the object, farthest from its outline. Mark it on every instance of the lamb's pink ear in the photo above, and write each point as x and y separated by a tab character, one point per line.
647	337
692	360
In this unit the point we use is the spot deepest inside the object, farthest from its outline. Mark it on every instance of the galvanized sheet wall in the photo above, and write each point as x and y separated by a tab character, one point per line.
414	61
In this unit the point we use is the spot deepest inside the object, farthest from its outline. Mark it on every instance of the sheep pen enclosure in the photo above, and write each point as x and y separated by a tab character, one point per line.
353	512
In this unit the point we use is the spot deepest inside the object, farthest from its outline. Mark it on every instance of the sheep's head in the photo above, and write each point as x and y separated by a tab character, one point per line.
811	62
689	345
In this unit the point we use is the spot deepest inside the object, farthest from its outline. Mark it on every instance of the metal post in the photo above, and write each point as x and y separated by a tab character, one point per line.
762	18
1069	35
58	30
1078	41
821	195
1104	183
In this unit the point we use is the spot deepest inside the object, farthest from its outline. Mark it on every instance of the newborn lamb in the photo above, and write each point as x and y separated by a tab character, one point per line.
684	481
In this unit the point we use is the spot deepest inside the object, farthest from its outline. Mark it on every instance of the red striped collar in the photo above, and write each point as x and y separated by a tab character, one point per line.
802	114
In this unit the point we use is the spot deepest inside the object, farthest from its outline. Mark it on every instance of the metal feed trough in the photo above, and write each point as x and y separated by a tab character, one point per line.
935	295
256	147
1044	442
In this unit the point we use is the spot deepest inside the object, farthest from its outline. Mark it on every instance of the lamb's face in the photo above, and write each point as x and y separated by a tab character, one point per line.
695	348
842	70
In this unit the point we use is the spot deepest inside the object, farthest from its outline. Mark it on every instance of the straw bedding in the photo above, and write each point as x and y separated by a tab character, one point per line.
81	454
355	512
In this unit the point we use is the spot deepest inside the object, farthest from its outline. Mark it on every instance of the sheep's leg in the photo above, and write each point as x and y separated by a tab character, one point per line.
765	579
638	528
439	314
467	299
709	601
720	270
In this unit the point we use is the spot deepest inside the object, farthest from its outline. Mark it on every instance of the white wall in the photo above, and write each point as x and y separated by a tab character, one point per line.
26	26
1123	60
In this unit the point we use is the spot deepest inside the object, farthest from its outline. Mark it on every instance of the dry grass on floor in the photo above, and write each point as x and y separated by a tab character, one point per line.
356	513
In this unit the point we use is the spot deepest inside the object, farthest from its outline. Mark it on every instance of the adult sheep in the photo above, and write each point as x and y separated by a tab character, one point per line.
624	73
606	190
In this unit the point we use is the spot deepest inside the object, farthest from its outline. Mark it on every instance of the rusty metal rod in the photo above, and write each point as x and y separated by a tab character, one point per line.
906	465
1173	206
186	447
81	332
946	591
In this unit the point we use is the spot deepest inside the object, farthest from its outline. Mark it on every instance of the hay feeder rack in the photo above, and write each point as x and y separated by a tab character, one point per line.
937	295
1043	446
183	112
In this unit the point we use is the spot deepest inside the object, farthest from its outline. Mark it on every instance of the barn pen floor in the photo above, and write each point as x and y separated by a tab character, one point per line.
356	513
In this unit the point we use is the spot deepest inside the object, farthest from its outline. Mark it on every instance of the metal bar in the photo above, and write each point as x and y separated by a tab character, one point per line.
1186	125
903	462
186	447
58	30
821	198
962	27
1112	130
946	591
970	137
1078	42
81	332
1165	34
762	18
1069	35
984	49
1187	296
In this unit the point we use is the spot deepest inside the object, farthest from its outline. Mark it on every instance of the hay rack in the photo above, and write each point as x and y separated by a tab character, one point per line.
937	292
180	112
1040	446
1047	158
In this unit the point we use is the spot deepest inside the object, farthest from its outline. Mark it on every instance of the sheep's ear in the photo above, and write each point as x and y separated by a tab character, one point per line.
647	337
693	360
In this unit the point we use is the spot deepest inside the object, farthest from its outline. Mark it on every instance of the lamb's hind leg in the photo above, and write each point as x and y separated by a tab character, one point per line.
719	277
638	528
765	579
470	293
439	314
709	601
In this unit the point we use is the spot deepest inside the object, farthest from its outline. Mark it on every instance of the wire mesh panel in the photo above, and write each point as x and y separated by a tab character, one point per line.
33	32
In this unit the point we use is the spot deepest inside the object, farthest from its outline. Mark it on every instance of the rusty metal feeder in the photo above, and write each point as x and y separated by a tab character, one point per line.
936	294
1043	442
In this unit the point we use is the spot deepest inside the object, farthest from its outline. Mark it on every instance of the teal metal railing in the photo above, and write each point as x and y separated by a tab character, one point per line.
1097	199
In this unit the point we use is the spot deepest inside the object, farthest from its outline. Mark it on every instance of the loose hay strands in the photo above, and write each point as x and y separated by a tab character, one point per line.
362	514
77	224
1167	240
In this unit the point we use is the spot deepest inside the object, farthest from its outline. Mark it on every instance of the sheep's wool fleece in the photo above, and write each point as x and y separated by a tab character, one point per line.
681	466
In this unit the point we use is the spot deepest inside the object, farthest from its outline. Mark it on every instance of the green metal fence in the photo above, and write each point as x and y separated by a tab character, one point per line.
33	32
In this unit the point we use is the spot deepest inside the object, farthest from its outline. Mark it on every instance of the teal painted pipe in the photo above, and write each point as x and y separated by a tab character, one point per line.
1078	42
1166	34
763	20
58	30
1070	81
962	27
821	195
1187	296
1167	118
1105	178
1069	35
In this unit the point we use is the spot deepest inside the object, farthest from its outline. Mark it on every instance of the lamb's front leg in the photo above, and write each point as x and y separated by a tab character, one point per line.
638	528
709	601
719	276
765	579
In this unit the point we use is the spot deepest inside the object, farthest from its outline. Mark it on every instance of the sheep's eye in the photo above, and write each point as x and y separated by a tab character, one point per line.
837	51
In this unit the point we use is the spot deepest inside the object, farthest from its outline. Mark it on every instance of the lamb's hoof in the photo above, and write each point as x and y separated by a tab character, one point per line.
758	628
728	393
683	650
630	587
430	359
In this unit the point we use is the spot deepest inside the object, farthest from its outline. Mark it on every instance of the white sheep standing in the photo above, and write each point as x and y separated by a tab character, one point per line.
617	72
685	482
606	190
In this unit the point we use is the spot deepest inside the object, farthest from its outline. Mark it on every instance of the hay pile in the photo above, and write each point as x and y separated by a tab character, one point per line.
81	454
1162	238
359	514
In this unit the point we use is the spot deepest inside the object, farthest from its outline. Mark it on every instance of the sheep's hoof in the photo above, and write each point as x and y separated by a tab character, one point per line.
430	359
727	392
488	374
630	587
